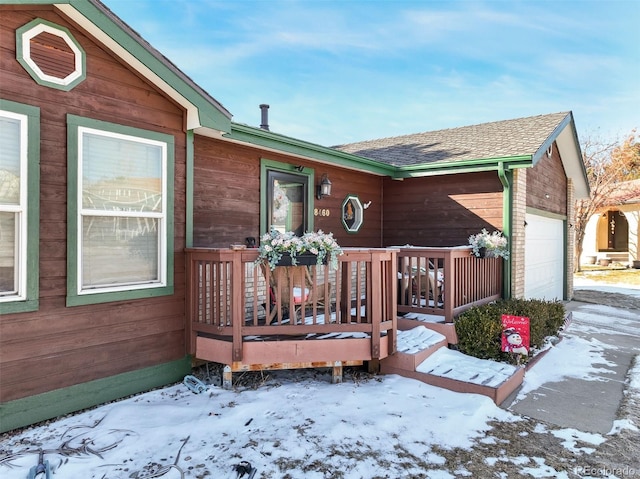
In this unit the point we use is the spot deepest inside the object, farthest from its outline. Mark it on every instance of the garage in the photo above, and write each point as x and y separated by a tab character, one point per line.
544	258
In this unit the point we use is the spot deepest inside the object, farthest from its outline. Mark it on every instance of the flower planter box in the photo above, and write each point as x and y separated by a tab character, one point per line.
636	263
303	259
604	262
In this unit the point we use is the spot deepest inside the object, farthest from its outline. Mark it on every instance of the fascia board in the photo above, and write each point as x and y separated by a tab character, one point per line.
566	139
471	166
112	33
280	143
548	143
571	155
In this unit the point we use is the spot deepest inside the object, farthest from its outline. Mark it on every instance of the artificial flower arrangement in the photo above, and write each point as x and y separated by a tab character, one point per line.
274	245
487	244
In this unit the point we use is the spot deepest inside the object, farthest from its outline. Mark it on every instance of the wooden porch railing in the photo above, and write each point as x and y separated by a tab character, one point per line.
229	296
446	281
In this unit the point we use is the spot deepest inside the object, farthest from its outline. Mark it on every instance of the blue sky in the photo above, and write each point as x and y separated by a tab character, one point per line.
337	72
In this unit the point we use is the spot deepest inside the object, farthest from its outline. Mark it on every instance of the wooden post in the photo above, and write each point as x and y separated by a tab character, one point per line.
227	377
337	372
375	302
190	296
237	304
449	282
392	294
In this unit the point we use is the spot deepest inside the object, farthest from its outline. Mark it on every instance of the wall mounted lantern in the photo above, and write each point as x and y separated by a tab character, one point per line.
324	188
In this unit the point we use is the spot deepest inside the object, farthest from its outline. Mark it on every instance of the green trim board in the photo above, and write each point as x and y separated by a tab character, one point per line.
506	178
470	166
31	303
267	139
190	164
73	298
33	409
546	214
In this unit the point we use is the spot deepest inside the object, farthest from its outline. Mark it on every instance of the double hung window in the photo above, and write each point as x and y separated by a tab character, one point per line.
121	231
19	188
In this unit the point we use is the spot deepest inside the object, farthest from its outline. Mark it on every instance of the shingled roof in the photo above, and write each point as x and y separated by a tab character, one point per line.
500	139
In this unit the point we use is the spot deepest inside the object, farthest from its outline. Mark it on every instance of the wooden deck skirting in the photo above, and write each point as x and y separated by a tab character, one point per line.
228	302
446	281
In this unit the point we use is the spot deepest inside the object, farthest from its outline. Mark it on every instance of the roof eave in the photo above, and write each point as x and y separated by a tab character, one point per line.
566	139
467	166
268	140
202	109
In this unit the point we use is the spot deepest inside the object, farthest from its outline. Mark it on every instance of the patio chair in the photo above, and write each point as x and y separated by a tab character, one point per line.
292	291
430	284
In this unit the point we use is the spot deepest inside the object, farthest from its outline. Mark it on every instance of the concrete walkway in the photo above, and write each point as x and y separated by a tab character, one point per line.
589	405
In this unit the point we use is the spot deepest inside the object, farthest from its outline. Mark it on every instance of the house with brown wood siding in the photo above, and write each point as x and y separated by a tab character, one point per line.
123	185
517	176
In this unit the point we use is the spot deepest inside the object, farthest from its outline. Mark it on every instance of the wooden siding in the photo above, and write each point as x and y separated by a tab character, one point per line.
227	196
548	178
52	54
441	211
59	346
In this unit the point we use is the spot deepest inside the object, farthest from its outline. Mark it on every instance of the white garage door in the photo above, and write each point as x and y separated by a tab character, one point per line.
544	258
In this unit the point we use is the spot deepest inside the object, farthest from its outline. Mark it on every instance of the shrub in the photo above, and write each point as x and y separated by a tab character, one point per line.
479	329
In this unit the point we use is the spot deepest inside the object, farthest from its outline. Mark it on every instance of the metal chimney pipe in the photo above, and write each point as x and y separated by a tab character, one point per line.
265	117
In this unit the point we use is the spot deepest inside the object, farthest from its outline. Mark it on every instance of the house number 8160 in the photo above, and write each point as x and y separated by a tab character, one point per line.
321	212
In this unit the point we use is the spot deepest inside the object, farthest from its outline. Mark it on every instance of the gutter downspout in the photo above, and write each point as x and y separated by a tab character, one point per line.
507	213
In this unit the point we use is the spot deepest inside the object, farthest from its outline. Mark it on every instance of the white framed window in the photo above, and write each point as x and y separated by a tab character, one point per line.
121	240
13	206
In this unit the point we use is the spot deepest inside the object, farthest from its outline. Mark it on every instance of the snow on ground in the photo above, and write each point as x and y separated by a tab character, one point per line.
586	283
416	339
304	420
297	425
573	357
455	365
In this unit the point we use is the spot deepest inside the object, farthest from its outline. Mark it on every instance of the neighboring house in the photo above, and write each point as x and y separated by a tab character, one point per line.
113	162
612	233
519	176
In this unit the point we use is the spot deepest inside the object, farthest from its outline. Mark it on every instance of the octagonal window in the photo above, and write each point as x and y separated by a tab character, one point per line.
50	54
352	213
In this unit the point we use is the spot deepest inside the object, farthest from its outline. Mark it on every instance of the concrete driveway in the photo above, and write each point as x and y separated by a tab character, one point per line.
591	404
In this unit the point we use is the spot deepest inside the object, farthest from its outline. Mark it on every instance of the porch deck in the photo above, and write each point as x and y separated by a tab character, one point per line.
437	284
234	319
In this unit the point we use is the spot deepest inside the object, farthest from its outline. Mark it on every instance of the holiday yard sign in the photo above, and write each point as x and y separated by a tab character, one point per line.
515	334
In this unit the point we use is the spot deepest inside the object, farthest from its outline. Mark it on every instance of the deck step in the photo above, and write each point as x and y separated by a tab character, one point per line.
423	355
435	323
414	346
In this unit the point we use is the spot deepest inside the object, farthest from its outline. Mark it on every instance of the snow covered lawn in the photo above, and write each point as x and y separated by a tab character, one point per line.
297	424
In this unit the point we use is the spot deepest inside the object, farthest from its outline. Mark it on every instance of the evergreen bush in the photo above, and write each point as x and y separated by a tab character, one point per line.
479	329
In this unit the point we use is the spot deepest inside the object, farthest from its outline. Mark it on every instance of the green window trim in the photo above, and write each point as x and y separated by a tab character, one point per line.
31	301
270	165
73	235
